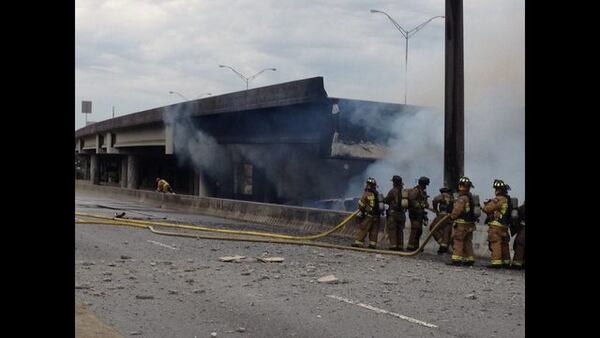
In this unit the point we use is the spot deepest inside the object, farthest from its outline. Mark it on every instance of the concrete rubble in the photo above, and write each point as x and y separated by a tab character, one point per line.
329	279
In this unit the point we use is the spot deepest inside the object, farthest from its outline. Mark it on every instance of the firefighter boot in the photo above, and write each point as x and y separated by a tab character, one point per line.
357	244
442	249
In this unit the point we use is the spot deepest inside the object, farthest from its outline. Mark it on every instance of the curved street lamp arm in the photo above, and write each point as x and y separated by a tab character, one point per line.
174	92
402	30
235	71
419	27
262	71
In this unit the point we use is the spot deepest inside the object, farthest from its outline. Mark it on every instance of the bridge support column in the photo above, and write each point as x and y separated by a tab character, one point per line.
123	171
132	172
94	169
199	184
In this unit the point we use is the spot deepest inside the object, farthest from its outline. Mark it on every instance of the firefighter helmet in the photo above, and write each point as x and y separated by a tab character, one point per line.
499	184
445	189
424	180
397	179
371	180
464	180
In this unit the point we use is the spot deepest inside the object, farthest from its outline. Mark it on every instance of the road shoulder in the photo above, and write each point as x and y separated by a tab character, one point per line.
87	325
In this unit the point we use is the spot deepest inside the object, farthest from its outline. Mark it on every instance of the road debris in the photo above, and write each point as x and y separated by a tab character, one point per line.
144	297
235	258
329	279
270	259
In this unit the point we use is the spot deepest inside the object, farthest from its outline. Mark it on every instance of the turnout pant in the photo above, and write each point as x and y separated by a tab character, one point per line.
498	239
519	247
370	226
416	230
395	229
444	231
463	242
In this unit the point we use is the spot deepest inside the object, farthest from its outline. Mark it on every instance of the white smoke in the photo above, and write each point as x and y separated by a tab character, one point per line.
414	150
495	141
494	147
191	144
494	108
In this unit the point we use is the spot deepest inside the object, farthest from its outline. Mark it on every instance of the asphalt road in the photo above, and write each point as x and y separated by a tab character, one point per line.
147	285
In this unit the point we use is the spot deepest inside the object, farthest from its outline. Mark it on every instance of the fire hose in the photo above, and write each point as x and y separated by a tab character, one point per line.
227	231
278	238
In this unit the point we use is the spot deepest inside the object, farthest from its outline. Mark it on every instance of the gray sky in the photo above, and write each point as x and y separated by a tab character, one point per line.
130	54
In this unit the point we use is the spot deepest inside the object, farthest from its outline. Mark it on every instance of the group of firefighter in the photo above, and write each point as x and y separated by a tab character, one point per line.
458	214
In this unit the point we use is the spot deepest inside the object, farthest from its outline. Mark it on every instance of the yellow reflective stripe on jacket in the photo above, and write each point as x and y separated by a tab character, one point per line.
503	208
371	199
497	262
498	224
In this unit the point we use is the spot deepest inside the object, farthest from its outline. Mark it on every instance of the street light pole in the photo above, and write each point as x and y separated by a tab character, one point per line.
406	71
407	35
245	78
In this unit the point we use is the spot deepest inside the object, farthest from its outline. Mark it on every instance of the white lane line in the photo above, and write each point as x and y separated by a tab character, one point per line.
158	243
378	310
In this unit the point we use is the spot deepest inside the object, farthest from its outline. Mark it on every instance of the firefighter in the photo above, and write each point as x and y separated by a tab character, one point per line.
463	217
442	206
395	215
368	216
498	210
417	203
518	229
163	186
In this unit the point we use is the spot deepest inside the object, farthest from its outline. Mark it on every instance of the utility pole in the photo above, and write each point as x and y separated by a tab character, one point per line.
113	112
454	119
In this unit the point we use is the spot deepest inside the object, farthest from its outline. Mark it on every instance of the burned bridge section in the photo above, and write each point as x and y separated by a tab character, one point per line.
286	143
288	113
363	129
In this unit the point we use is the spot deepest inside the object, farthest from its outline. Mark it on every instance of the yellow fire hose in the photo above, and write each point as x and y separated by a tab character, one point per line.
282	239
226	231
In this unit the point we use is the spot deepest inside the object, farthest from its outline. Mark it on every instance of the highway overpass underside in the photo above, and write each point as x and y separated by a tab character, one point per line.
136	171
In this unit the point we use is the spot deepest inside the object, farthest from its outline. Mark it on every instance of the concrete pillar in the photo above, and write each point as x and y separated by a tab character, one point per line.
199	183
94	169
123	172
85	166
108	141
168	139
132	172
100	141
